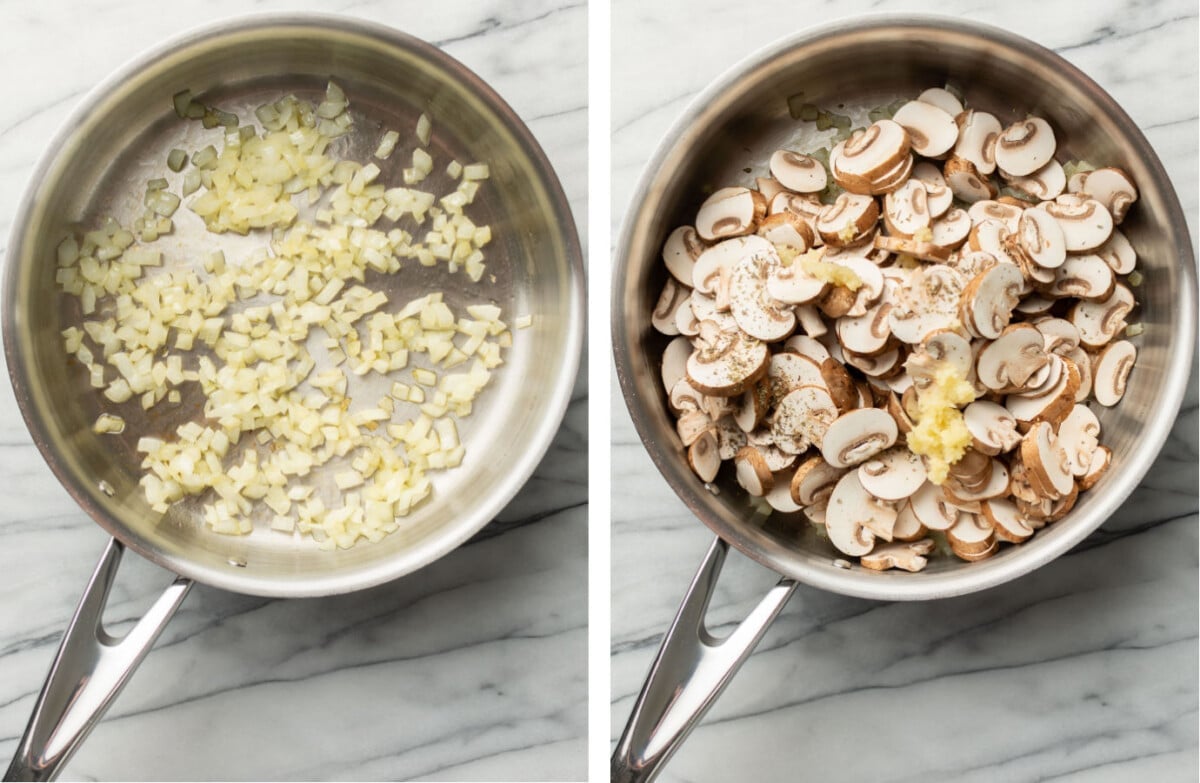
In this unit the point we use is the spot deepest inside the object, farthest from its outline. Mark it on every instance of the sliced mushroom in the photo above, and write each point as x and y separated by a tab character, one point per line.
787	229
1051	402
1113	188
929	173
788	371
1099	322
837	301
725	362
780	496
802	418
684	397
1085	226
869	155
1009	361
852	516
883	366
970	263
893	474
905	556
703	457
972	538
966	182
907	527
939	349
730	212
1085	277
769	187
755	311
926	251
839	384
680	251
805	345
813	481
1079	435
1025	146
951	230
931	130
673	297
988	300
848	220
718	408
943	99
1033	304
993	428
1083	363
906	209
870	284
928	304
929	504
686	322
752	406
1006	520
723	257
977	134
1111	371
796	172
989	209
991	237
867	334
994	485
674	365
692	425
806	207
730	438
1049	469
1100	463
858	435
811	321
792	285
895	409
1118	253
1060	335
752	472
1044	184
1041	239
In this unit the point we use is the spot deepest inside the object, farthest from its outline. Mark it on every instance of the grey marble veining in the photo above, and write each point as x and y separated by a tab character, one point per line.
471	669
1082	671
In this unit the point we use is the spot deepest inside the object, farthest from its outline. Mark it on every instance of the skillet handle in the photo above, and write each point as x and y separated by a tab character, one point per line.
690	672
89	671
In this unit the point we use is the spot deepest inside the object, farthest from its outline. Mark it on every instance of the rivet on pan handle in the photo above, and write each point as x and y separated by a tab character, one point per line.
89	671
691	670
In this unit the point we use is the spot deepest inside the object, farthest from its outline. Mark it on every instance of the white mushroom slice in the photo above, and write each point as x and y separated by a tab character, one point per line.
730	438
704	308
684	397
951	230
1085	226
730	212
931	130
971	538
718	408
756	312
991	237
752	407
1100	463
1041	239
1085	277
724	256
928	304
908	527
1046	460
792	285
805	345
776	458
905	556
780	496
857	436
926	251
1033	304
1049	403
1024	147
787	371
894	474
1113	188
811	322
943	99
673	296
906	209
1044	184
787	229
966	182
1118	253
725	363
867	334
864	251
703	457
1059	334
1111	371
869	155
807	208
1099	322
848	220
813	481
769	187
880	366
1083	362
988	209
993	429
977	134
938	197
930	506
802	418
761	437
752	472
899	384
674	364
936	350
988	300
796	172
680	252
929	173
686	321
970	262
1006	519
894	178
1008	361
995	486
1079	435
852	516
692	425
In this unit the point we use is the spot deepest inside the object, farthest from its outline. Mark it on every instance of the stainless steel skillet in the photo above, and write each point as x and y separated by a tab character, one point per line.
736	123
119	137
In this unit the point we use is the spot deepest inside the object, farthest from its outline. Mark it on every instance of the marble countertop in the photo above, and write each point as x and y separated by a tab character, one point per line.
1082	671
471	669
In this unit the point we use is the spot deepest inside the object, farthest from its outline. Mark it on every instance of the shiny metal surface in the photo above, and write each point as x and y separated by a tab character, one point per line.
736	123
119	137
89	671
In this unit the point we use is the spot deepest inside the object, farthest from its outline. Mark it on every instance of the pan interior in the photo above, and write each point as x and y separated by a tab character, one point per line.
120	139
727	137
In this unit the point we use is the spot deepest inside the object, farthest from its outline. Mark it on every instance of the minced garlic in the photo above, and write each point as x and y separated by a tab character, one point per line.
940	434
924	234
848	233
814	265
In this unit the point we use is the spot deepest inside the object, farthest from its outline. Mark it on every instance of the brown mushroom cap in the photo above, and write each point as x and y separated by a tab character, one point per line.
1025	146
725	362
752	472
1111	372
1099	322
802	418
853	515
813	481
931	130
703	456
893	474
857	436
797	172
905	556
730	212
977	134
1010	360
993	428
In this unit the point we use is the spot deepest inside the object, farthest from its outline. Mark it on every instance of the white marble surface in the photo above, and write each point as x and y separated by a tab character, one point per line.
1082	671
472	669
